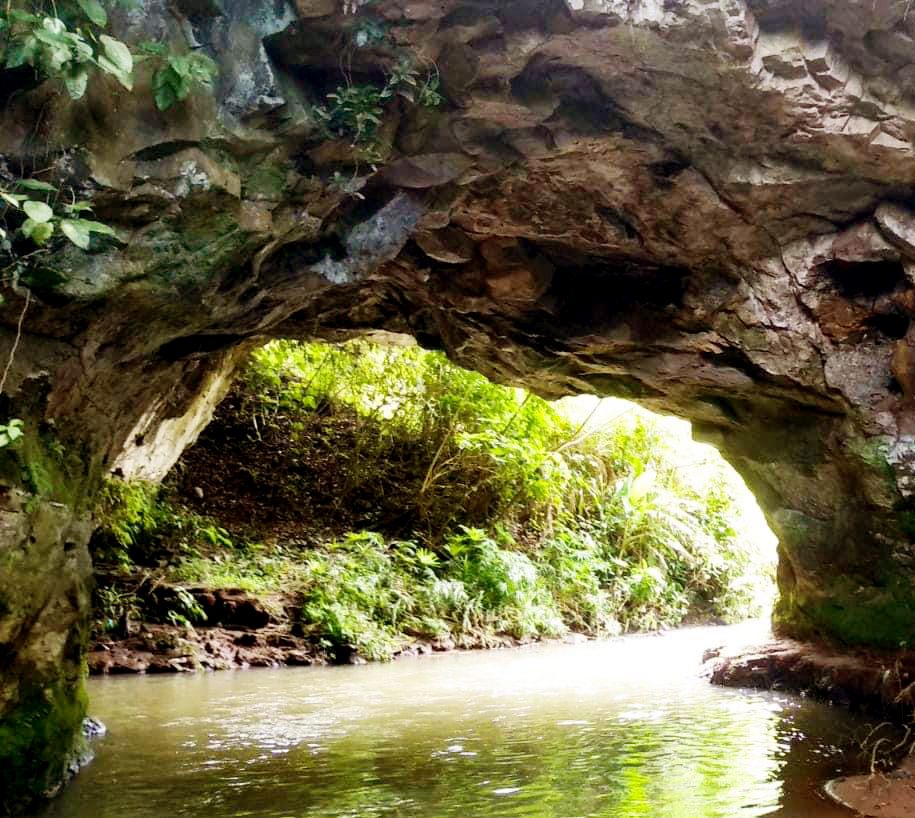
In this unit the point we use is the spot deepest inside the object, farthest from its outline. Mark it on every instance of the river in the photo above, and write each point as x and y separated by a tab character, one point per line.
617	729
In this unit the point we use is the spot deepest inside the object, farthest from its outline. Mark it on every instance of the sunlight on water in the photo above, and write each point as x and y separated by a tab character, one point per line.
620	729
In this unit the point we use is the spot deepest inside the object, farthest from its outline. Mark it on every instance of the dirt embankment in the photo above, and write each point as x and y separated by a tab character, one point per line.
881	682
241	631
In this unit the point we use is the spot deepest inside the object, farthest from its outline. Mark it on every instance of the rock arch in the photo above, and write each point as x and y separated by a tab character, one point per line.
703	206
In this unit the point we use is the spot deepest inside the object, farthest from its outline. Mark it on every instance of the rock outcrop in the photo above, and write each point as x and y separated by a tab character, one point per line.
703	205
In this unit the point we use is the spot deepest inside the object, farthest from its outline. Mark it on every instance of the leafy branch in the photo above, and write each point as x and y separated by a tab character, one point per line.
46	43
356	111
69	42
42	222
177	74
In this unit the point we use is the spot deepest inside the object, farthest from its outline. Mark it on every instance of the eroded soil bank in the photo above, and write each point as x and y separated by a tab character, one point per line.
245	632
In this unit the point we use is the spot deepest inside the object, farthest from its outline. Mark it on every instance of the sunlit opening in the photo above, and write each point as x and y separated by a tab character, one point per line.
700	467
372	501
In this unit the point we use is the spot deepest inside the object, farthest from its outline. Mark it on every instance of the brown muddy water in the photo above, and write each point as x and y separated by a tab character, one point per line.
617	729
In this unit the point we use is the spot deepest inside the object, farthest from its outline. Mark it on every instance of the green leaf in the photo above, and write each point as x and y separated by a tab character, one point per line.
35	184
180	65
37	211
13	199
39	232
110	68
95	227
21	52
18	16
203	68
154	49
76	83
94	11
53	24
42	232
79	207
10	432
118	53
76	232
84	52
165	97
53	37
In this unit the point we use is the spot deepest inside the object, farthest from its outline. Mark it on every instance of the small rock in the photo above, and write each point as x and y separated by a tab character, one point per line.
93	728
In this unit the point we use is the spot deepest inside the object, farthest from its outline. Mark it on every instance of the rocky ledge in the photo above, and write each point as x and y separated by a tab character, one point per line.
174	649
877	681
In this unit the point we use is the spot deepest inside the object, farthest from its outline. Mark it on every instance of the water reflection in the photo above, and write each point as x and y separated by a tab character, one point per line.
618	730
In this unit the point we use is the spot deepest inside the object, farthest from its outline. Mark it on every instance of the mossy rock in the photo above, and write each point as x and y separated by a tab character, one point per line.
852	611
41	743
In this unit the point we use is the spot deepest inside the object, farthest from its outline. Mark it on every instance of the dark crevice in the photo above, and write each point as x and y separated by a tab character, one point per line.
668	169
602	294
17	81
192	345
666	172
855	279
290	259
311	59
163	150
618	220
893	324
734	358
723	405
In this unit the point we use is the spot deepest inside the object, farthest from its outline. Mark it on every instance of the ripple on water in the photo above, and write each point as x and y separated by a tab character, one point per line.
610	730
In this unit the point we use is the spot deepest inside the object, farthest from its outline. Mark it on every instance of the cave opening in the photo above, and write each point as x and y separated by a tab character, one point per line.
364	501
435	477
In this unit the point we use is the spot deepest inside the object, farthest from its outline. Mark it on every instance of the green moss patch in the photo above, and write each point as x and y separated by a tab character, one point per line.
39	742
853	613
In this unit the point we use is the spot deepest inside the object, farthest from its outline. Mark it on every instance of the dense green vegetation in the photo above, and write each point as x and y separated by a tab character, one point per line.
396	496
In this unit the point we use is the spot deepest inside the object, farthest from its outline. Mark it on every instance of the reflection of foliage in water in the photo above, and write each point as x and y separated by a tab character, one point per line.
620	729
642	769
724	760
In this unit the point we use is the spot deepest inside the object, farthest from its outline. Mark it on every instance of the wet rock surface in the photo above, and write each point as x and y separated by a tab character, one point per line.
882	682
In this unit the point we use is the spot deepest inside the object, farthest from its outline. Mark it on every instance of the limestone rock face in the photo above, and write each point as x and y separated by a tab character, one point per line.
707	206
